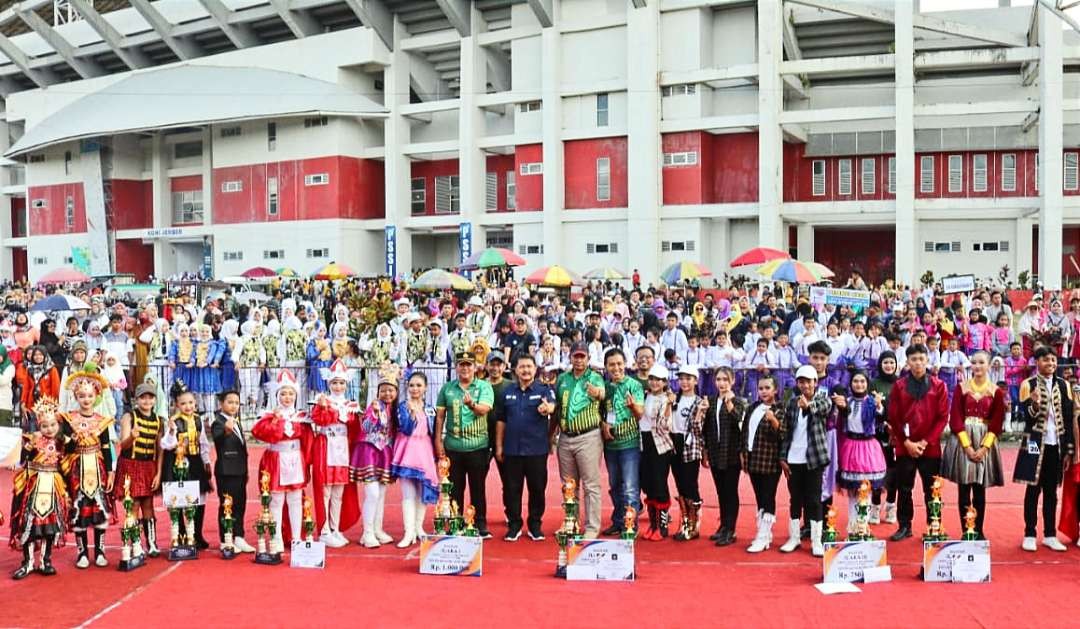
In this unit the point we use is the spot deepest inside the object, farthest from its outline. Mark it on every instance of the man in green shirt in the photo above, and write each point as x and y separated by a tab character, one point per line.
578	394
461	434
496	370
624	403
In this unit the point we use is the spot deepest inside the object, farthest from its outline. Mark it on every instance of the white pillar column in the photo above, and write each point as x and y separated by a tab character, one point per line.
161	195
906	227
208	175
472	163
1023	246
396	165
719	246
1051	130
643	141
805	235
770	138
551	120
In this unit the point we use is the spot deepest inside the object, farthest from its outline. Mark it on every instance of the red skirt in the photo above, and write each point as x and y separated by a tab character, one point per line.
141	474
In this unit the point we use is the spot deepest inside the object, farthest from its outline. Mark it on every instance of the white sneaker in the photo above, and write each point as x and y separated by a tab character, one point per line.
83	562
875	516
241	545
1053	543
1029	544
890	513
383	537
368	539
100	561
333	539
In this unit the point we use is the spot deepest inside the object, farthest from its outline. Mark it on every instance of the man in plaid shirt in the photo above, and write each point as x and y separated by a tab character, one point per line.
804	455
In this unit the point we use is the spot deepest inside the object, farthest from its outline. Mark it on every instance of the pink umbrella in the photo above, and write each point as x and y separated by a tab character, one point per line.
63	275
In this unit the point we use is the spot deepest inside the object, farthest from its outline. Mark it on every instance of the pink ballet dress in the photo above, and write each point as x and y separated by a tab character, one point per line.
414	457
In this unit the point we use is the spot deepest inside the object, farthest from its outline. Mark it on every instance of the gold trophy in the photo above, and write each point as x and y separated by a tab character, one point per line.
182	515
228	551
936	532
446	521
629	522
131	551
308	523
970	534
829	534
862	515
265	526
570	529
470	522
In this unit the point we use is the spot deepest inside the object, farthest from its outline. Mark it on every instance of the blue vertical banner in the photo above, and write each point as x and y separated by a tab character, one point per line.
464	241
391	251
208	257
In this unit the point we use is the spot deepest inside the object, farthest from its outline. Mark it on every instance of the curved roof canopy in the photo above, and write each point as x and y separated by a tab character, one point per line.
193	95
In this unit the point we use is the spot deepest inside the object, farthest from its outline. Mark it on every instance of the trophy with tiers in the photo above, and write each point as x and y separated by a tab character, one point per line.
228	550
470	529
629	521
266	527
829	534
862	507
181	512
308	523
571	528
936	531
131	551
447	520
970	534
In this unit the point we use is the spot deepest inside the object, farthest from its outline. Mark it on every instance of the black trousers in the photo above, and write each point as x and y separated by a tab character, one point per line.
973	495
890	478
765	491
804	485
517	472
906	467
471	466
654	471
686	474
235	486
726	481
1049	474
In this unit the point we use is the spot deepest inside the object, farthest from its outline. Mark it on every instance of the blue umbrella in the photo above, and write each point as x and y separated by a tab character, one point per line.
60	302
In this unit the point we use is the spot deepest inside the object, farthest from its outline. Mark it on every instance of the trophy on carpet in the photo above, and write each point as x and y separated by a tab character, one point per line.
570	529
308	523
829	534
862	507
265	526
970	534
629	522
470	529
131	551
228	551
936	532
181	513
447	521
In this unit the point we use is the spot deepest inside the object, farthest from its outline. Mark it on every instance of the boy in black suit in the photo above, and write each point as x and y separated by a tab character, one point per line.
231	467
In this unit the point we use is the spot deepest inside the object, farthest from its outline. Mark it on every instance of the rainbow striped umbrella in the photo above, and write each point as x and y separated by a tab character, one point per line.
758	255
605	273
286	271
438	279
793	271
554	275
683	271
821	269
492	257
333	271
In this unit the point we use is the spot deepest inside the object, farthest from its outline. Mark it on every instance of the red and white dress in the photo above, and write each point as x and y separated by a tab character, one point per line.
288	435
330	454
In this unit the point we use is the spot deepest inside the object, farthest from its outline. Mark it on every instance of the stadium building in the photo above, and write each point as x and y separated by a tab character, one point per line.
218	135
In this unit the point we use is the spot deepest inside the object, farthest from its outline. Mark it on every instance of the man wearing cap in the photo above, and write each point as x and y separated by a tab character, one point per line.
478	321
578	394
140	459
804	455
461	434
519	338
399	324
687	416
521	445
624	404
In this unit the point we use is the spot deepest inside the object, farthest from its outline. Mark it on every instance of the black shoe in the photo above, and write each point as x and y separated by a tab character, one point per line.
719	534
485	534
512	535
727	539
612	530
537	535
23	572
47	568
202	544
901	534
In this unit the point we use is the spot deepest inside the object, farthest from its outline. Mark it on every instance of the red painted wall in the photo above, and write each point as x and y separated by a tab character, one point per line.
871	251
185	184
579	158
530	188
355	190
688	184
18	217
132	256
500	165
429	170
133	205
735	168
52	218
18	264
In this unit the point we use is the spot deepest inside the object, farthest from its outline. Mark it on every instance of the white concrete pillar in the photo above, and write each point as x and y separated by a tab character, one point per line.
6	259
1051	129
208	175
472	163
643	141
770	138
805	235
1023	246
719	243
551	120
161	196
396	165
907	271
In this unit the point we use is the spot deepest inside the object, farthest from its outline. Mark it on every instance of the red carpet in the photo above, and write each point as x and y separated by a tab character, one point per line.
679	584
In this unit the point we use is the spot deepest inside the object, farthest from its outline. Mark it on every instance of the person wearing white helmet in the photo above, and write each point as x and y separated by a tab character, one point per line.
657	449
804	455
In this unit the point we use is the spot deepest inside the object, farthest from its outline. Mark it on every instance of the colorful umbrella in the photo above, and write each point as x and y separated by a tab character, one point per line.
790	271
64	275
286	271
605	273
554	275
821	269
333	271
492	257
758	255
259	271
682	271
59	302
438	279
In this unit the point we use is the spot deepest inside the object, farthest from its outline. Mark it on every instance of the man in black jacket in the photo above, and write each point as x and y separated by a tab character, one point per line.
231	468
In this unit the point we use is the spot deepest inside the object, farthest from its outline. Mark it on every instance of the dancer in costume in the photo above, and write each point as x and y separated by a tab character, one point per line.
292	350
414	458
181	357
185	428
319	357
90	476
249	357
333	416
158	339
861	458
372	454
140	459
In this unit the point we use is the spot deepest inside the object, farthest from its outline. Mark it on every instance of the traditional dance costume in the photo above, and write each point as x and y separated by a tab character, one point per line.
196	449
372	460
182	357
293	353
978	414
140	463
249	357
89	460
860	455
206	374
413	462
319	357
334	418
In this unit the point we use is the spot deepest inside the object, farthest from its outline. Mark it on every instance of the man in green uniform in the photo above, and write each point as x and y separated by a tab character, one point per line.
578	394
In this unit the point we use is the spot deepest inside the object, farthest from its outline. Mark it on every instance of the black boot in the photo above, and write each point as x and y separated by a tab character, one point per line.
99	548
665	519
46	560
721	531
149	526
81	560
200	541
27	565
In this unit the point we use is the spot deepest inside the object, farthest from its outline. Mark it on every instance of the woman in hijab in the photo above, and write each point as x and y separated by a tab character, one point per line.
7	389
51	342
38	377
888	370
25	334
95	340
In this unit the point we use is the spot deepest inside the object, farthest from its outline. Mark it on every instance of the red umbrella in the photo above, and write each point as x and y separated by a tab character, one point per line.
259	271
63	275
759	255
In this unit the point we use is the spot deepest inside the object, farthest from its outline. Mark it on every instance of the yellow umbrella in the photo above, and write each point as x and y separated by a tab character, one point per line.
333	271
